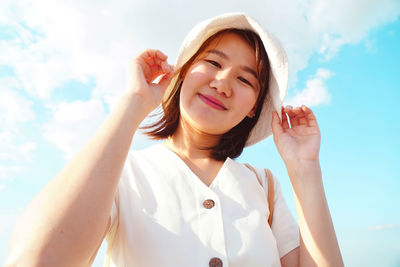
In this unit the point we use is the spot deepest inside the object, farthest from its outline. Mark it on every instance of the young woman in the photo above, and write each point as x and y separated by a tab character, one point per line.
186	202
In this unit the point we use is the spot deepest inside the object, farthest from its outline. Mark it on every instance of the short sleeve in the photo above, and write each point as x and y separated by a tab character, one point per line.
114	218
112	233
114	209
114	213
284	227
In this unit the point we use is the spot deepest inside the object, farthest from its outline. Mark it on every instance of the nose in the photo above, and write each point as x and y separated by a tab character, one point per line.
221	82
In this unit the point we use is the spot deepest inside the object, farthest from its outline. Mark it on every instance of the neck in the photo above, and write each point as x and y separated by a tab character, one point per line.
191	143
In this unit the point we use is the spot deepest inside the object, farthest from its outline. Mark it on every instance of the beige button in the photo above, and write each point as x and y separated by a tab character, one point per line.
208	203
215	262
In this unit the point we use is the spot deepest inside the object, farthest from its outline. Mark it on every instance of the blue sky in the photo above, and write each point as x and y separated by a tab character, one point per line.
360	148
59	79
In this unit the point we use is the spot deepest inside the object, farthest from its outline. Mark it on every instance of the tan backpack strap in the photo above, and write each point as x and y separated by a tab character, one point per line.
271	192
270	181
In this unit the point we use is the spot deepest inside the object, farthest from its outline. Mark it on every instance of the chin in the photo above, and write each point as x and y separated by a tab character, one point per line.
205	125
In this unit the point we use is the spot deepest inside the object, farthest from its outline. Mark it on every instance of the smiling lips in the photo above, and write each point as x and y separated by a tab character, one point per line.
212	102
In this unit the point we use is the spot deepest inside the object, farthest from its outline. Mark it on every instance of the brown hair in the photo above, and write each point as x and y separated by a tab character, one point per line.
232	142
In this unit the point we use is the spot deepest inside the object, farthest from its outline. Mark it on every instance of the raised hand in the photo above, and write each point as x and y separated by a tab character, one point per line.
141	73
300	142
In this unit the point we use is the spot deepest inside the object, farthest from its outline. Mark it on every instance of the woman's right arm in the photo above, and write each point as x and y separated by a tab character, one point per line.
65	222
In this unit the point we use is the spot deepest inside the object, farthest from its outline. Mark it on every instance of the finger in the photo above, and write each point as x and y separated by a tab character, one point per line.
312	120
303	121
153	64
146	57
294	121
285	122
154	53
297	110
167	68
302	117
276	124
287	110
145	69
292	116
153	61
165	81
161	55
150	72
152	56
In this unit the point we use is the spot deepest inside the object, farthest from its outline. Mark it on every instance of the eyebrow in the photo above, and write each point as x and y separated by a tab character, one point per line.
225	56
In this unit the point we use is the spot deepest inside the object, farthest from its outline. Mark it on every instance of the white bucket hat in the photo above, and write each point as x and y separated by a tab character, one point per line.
277	58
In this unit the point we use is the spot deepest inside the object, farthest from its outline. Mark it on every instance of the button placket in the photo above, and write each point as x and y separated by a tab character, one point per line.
213	237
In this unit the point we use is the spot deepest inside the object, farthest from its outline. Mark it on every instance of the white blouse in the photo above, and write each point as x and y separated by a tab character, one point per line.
163	215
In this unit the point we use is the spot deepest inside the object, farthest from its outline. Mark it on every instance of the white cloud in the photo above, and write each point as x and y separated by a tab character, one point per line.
384	227
330	46
102	37
56	41
315	93
342	22
15	111
7	171
73	124
27	148
90	44
14	147
8	220
14	108
10	82
15	150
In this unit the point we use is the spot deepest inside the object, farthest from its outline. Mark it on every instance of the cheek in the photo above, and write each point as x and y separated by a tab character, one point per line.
247	100
195	78
196	74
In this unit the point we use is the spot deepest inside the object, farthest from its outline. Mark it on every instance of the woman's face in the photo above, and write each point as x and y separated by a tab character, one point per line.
220	88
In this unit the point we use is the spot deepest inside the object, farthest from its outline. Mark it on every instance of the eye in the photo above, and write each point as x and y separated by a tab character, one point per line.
212	62
245	81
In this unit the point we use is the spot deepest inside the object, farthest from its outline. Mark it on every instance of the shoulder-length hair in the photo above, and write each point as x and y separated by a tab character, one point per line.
232	142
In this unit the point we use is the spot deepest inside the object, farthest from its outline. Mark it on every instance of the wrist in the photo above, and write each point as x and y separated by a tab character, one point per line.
307	172
303	167
139	103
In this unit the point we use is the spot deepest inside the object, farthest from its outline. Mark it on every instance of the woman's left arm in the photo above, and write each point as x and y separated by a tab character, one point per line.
299	147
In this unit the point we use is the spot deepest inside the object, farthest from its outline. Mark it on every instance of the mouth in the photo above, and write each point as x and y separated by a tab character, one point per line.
212	102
